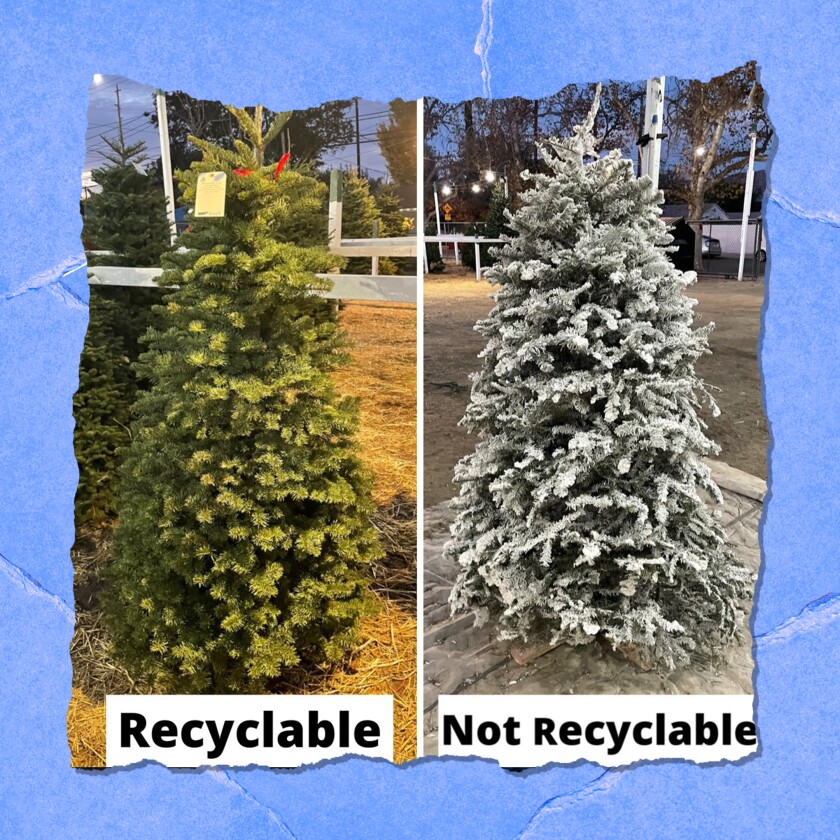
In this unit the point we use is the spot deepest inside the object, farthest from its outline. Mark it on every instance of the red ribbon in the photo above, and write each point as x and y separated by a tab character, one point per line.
280	164
279	168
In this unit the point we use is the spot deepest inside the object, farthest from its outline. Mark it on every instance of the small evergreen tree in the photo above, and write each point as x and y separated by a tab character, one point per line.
495	225
359	212
388	205
581	511
307	196
393	223
128	215
244	531
101	407
128	218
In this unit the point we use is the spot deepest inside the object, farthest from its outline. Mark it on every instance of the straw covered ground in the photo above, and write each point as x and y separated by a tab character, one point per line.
86	731
382	374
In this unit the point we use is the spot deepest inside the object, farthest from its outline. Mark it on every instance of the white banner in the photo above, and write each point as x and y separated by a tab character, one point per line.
186	730
612	730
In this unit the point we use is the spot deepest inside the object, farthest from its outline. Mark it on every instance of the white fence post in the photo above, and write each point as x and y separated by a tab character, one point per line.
334	212
745	215
166	164
654	111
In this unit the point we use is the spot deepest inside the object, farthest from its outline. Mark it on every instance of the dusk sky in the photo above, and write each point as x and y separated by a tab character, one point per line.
446	141
136	98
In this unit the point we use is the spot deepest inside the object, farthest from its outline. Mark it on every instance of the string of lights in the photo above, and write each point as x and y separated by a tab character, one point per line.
488	178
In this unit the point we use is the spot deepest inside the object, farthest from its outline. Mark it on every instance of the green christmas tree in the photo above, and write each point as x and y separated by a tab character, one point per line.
388	204
307	195
582	511
495	225
393	222
359	213
128	215
244	533
128	218
101	407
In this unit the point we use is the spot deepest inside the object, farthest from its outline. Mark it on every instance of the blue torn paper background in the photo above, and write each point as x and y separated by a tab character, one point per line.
296	56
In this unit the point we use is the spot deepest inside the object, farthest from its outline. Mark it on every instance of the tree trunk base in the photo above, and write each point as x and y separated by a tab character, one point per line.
524	653
633	655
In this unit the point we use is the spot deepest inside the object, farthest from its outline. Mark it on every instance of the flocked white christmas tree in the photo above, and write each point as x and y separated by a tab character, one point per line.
581	512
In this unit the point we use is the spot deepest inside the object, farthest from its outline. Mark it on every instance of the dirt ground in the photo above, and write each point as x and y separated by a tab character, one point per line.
454	302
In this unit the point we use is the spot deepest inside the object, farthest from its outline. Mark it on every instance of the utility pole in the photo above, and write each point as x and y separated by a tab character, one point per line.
358	140
119	125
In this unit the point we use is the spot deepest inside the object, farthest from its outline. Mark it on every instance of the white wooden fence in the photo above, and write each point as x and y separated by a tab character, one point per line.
375	287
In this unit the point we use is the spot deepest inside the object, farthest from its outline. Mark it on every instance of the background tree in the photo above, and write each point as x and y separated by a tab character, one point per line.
503	135
128	218
398	141
307	134
128	215
244	531
359	212
711	123
581	511
494	227
393	222
102	411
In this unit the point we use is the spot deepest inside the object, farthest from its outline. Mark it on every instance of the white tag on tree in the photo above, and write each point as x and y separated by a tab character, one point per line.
210	195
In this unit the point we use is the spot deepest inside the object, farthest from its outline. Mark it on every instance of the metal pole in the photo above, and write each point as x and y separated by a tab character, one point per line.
166	164
420	210
437	217
745	216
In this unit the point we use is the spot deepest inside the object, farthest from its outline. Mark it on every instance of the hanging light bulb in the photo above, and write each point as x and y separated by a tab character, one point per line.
446	190
489	176
476	188
700	151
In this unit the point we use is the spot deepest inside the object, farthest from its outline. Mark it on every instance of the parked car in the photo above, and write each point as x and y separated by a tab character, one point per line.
711	247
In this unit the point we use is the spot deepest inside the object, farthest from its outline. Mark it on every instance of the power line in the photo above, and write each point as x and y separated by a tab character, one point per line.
101	144
375	116
104	147
97	126
351	164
